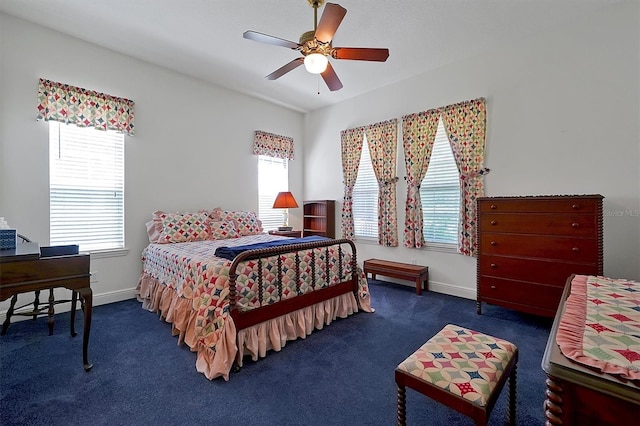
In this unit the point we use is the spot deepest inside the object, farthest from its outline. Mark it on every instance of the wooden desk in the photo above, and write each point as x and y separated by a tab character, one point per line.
23	270
577	395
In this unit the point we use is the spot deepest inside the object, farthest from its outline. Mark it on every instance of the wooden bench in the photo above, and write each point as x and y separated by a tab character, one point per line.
462	369
404	271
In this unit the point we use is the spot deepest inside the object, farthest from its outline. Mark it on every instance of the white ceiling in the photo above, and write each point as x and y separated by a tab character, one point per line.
203	38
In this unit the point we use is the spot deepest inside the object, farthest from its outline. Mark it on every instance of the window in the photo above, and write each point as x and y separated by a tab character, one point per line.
365	197
440	193
86	187
273	177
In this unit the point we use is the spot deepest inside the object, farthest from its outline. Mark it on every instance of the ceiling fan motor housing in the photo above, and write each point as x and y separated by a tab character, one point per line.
310	45
308	36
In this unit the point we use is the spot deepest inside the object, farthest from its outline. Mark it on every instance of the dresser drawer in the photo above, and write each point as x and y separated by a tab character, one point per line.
540	205
520	293
583	250
533	270
540	223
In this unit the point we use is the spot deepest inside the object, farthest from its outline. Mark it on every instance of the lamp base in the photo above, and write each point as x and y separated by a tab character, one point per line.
285	228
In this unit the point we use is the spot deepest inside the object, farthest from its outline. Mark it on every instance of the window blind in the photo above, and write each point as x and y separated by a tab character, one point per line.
86	187
365	197
440	193
273	177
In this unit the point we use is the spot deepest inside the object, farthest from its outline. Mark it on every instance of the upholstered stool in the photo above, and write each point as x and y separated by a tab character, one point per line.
462	369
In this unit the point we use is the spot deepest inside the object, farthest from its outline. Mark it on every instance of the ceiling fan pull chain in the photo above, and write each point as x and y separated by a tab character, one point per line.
318	84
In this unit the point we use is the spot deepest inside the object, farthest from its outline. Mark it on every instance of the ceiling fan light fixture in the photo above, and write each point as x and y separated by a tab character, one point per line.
315	63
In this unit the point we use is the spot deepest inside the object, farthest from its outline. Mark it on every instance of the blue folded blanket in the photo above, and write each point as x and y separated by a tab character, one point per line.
231	252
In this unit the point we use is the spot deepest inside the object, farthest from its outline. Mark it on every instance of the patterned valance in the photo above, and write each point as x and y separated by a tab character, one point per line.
273	145
84	108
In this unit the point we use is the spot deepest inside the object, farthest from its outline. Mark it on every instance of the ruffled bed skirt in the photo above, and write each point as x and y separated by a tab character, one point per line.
255	341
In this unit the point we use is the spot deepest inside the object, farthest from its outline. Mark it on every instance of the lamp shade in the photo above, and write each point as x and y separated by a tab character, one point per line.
285	200
315	63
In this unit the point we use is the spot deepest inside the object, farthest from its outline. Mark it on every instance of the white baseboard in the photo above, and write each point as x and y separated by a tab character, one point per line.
98	299
453	290
444	288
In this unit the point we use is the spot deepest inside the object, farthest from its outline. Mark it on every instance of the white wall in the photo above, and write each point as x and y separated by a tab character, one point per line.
562	118
192	148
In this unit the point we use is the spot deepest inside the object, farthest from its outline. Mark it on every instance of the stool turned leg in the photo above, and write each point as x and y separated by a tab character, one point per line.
511	400
402	403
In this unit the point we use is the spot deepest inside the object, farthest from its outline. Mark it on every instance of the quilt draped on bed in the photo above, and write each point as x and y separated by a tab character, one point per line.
600	327
189	288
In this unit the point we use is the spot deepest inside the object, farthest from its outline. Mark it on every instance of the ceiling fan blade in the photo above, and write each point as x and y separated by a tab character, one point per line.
285	69
331	78
329	22
264	38
361	54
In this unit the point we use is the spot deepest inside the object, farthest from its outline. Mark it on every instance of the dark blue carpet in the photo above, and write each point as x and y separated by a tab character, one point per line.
341	375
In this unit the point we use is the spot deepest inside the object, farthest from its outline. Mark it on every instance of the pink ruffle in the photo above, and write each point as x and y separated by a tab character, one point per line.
571	331
255	341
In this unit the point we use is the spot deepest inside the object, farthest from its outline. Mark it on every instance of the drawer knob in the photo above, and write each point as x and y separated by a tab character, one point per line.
493	222
575	225
493	287
575	249
493	265
493	207
575	206
493	243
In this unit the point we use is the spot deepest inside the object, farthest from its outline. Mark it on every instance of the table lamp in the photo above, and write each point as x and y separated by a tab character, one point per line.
285	201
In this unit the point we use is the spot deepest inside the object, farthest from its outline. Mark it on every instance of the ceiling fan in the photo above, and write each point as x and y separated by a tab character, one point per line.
316	47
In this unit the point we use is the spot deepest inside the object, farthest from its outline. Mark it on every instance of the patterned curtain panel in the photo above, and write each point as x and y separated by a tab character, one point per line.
383	142
466	125
351	141
273	145
418	135
84	108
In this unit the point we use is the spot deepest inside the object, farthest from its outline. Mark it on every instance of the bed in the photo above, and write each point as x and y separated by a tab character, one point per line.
592	359
227	308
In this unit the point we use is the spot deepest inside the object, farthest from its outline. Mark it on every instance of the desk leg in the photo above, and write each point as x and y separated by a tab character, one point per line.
51	312
74	299
87	295
7	320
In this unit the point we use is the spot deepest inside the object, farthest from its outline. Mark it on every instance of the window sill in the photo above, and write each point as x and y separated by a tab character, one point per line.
103	254
367	240
442	247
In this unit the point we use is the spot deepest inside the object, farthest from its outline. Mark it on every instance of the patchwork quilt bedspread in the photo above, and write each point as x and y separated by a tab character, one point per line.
192	270
600	327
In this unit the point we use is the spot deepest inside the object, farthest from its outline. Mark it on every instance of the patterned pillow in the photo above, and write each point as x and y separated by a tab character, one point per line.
213	214
154	227
221	230
180	228
247	223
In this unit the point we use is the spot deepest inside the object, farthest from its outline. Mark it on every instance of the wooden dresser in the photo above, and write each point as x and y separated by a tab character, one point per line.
529	246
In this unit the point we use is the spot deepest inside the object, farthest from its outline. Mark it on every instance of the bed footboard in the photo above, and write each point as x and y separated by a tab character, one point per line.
348	282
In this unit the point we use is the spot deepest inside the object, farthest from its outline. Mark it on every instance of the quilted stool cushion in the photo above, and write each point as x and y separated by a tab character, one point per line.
463	362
